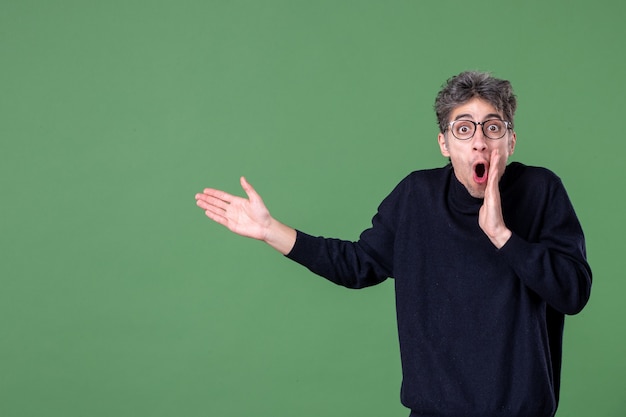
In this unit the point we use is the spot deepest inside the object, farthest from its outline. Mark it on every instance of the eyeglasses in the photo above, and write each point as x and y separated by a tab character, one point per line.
492	129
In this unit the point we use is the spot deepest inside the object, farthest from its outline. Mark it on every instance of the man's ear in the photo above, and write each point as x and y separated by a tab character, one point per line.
443	145
512	142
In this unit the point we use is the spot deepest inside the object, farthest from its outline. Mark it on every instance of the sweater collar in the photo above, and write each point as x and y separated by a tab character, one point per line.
462	201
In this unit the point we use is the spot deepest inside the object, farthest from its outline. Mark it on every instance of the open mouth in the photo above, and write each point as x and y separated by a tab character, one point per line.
480	172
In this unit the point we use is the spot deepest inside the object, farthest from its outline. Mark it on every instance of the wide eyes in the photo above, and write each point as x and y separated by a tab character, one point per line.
492	129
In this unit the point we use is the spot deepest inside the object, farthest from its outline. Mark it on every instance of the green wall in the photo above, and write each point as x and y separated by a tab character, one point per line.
119	298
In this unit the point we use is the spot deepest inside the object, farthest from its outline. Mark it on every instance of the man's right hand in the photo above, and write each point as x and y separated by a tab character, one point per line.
246	217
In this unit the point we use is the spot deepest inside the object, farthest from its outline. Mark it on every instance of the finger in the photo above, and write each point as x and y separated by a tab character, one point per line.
206	201
250	191
492	180
223	201
216	217
222	195
493	163
217	202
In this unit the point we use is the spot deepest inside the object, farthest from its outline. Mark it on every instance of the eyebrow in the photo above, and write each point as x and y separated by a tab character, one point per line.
469	116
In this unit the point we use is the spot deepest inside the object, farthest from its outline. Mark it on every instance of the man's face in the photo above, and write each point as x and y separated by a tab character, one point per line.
470	158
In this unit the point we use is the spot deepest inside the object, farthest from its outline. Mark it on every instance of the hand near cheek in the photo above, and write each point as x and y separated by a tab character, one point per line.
490	217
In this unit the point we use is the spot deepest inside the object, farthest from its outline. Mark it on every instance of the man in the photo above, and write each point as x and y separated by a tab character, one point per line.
486	259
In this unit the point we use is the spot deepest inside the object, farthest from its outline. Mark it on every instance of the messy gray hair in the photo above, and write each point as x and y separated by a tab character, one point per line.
467	85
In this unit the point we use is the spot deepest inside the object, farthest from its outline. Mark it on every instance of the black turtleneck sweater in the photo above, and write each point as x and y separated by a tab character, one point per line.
480	329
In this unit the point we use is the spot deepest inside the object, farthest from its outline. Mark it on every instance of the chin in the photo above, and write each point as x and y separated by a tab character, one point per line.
476	193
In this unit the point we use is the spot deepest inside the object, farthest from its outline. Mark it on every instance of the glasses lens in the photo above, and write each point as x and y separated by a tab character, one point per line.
494	129
463	129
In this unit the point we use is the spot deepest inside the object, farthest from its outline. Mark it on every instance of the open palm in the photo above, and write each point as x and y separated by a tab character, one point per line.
246	217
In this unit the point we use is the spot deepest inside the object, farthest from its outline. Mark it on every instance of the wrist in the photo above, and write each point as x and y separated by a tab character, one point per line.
280	236
499	239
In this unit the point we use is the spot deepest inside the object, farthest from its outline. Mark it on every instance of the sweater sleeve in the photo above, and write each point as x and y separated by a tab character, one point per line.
343	262
366	262
554	266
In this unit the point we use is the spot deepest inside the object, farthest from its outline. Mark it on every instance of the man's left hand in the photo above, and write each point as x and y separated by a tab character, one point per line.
490	216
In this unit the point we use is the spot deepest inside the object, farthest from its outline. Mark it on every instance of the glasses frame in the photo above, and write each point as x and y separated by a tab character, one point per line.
508	126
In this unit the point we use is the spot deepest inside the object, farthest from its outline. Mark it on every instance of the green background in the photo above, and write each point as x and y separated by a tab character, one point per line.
118	297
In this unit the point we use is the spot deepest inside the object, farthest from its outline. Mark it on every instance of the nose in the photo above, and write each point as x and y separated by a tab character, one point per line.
479	142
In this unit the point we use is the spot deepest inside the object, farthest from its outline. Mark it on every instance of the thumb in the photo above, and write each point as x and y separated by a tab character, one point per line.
250	191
